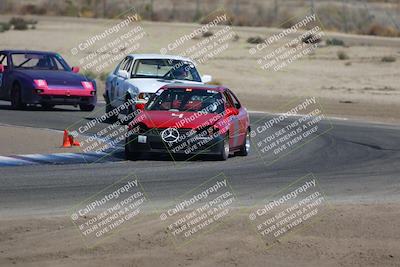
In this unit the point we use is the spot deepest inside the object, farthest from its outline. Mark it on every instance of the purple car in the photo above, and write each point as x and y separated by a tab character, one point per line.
35	77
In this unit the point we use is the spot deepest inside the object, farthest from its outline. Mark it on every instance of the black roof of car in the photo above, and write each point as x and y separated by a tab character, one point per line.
27	52
195	86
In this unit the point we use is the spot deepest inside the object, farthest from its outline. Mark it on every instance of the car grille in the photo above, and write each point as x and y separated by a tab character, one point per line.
158	131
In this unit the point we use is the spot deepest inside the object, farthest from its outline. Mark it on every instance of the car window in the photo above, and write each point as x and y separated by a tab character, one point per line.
234	99
36	61
57	64
228	100
3	60
166	69
127	65
187	99
122	64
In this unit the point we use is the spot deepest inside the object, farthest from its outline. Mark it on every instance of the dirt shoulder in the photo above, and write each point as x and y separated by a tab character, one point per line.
349	235
15	140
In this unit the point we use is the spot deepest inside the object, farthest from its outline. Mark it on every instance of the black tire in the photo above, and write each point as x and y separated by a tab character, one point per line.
47	106
245	148
129	155
86	107
109	109
16	100
130	107
224	149
128	111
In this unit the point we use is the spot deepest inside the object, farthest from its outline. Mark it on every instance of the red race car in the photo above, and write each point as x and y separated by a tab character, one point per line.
190	119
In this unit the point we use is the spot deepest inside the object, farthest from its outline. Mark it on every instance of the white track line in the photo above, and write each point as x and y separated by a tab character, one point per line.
9	161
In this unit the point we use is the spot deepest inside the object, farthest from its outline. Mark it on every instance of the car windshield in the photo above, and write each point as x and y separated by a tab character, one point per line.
187	99
166	69
39	62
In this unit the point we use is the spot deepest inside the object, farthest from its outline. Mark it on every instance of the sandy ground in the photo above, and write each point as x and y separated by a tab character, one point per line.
348	235
361	87
16	140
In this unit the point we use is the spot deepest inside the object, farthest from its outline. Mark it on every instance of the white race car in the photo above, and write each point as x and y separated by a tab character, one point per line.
138	76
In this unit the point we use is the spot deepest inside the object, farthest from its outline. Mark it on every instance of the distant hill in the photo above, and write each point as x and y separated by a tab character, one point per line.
372	17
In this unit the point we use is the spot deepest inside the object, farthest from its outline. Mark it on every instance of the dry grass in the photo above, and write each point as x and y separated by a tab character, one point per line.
374	17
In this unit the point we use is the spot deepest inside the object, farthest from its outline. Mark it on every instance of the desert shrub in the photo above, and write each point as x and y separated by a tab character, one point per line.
208	34
255	40
197	16
4	26
311	39
70	9
342	55
236	38
19	24
334	18
335	41
22	24
380	30
85	12
32	9
213	16
388	59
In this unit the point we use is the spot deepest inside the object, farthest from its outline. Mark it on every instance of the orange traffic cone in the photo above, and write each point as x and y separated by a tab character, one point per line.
66	140
71	140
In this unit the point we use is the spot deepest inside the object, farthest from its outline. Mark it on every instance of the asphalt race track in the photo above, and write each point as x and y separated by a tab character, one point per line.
353	161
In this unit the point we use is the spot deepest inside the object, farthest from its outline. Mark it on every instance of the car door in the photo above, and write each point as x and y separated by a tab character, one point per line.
115	82
239	121
233	122
121	82
4	77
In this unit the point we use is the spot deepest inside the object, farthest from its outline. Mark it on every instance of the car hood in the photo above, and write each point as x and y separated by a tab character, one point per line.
187	120
55	78
148	85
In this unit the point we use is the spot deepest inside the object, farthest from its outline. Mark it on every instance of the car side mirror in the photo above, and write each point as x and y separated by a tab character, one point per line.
231	112
206	78
75	69
1	68
123	74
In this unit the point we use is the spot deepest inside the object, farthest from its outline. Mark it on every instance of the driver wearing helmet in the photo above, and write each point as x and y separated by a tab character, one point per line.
180	73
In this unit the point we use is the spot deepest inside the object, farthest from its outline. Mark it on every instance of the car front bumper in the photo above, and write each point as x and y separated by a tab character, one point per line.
152	142
61	99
